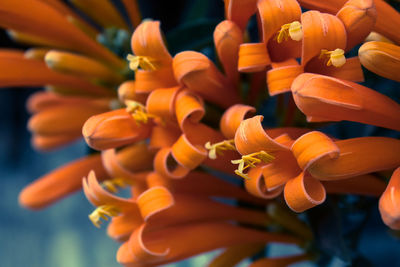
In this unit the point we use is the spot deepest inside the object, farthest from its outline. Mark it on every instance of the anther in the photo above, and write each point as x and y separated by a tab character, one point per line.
217	148
250	161
114	184
336	57
102	212
293	30
145	63
138	112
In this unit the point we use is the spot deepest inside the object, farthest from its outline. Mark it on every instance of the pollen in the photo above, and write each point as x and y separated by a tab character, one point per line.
250	161
217	148
138	112
336	57
114	184
293	30
145	63
102	212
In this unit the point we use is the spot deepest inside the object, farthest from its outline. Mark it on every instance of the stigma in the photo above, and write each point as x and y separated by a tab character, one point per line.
102	212
293	30
145	63
336	57
138	112
217	148
250	161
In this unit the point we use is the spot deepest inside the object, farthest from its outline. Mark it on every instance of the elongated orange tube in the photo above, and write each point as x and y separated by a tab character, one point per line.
146	246
62	119
50	142
334	99
388	203
358	17
36	73
357	156
60	182
49	26
381	58
80	65
113	129
36	53
367	185
304	192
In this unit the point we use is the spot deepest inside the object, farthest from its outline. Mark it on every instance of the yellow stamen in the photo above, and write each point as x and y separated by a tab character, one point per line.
145	63
217	148
114	184
336	57
102	212
250	161
294	30
138	111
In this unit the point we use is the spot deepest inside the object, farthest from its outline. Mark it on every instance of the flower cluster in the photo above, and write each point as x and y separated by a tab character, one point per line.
184	122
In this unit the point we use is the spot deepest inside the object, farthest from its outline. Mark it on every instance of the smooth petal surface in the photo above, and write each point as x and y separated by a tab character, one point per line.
389	202
335	100
381	58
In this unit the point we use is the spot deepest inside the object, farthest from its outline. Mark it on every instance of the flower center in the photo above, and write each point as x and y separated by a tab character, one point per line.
145	63
102	212
294	30
138	112
335	57
250	161
217	148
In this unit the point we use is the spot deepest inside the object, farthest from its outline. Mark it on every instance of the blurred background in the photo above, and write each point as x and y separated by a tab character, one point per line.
62	235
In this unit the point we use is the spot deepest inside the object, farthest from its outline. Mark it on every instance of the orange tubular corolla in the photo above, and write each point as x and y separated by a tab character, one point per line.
114	129
387	21
381	58
389	202
329	99
200	75
60	182
227	39
240	11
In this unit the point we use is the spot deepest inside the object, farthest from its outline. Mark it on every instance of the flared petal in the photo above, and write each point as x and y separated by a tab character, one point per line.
335	100
232	118
227	39
389	202
321	31
387	21
200	75
304	192
60	182
381	58
240	11
358	17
